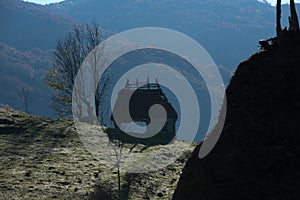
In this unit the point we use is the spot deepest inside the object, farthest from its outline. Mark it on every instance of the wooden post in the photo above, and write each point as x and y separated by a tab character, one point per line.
278	18
294	17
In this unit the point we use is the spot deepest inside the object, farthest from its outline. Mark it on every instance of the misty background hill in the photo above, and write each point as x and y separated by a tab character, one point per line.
229	30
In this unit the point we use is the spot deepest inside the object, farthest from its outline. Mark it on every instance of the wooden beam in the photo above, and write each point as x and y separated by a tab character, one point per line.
294	24
278	18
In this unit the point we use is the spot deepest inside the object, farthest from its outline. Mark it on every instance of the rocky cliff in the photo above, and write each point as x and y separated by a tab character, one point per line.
258	153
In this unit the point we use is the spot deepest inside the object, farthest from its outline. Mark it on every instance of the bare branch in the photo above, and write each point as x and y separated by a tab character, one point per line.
25	98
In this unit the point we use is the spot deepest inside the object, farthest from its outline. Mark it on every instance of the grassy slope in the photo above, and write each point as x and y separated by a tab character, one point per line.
42	159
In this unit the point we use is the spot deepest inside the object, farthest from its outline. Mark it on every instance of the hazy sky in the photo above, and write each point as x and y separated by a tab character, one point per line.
43	1
273	2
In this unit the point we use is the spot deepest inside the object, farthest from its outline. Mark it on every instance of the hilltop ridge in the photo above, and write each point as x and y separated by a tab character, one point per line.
257	155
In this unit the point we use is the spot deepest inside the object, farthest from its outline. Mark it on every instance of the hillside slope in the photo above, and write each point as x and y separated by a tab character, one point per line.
228	29
257	155
25	26
27	37
24	69
42	158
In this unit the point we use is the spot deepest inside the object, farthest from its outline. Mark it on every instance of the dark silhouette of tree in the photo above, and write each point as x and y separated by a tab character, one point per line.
25	98
293	19
69	54
117	146
278	17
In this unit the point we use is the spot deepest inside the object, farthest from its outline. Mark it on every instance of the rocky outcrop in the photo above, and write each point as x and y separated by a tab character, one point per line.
258	153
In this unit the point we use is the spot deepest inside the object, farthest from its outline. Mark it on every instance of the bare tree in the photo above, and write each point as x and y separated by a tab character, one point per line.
25	98
69	54
117	146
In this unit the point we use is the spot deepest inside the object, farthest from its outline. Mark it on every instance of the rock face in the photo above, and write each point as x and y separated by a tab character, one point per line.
258	153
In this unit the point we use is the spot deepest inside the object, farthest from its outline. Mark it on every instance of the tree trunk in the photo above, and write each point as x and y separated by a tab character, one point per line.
119	184
278	18
294	17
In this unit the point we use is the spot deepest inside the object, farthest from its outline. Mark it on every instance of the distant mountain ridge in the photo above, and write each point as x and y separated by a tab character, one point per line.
228	30
26	69
27	38
26	25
